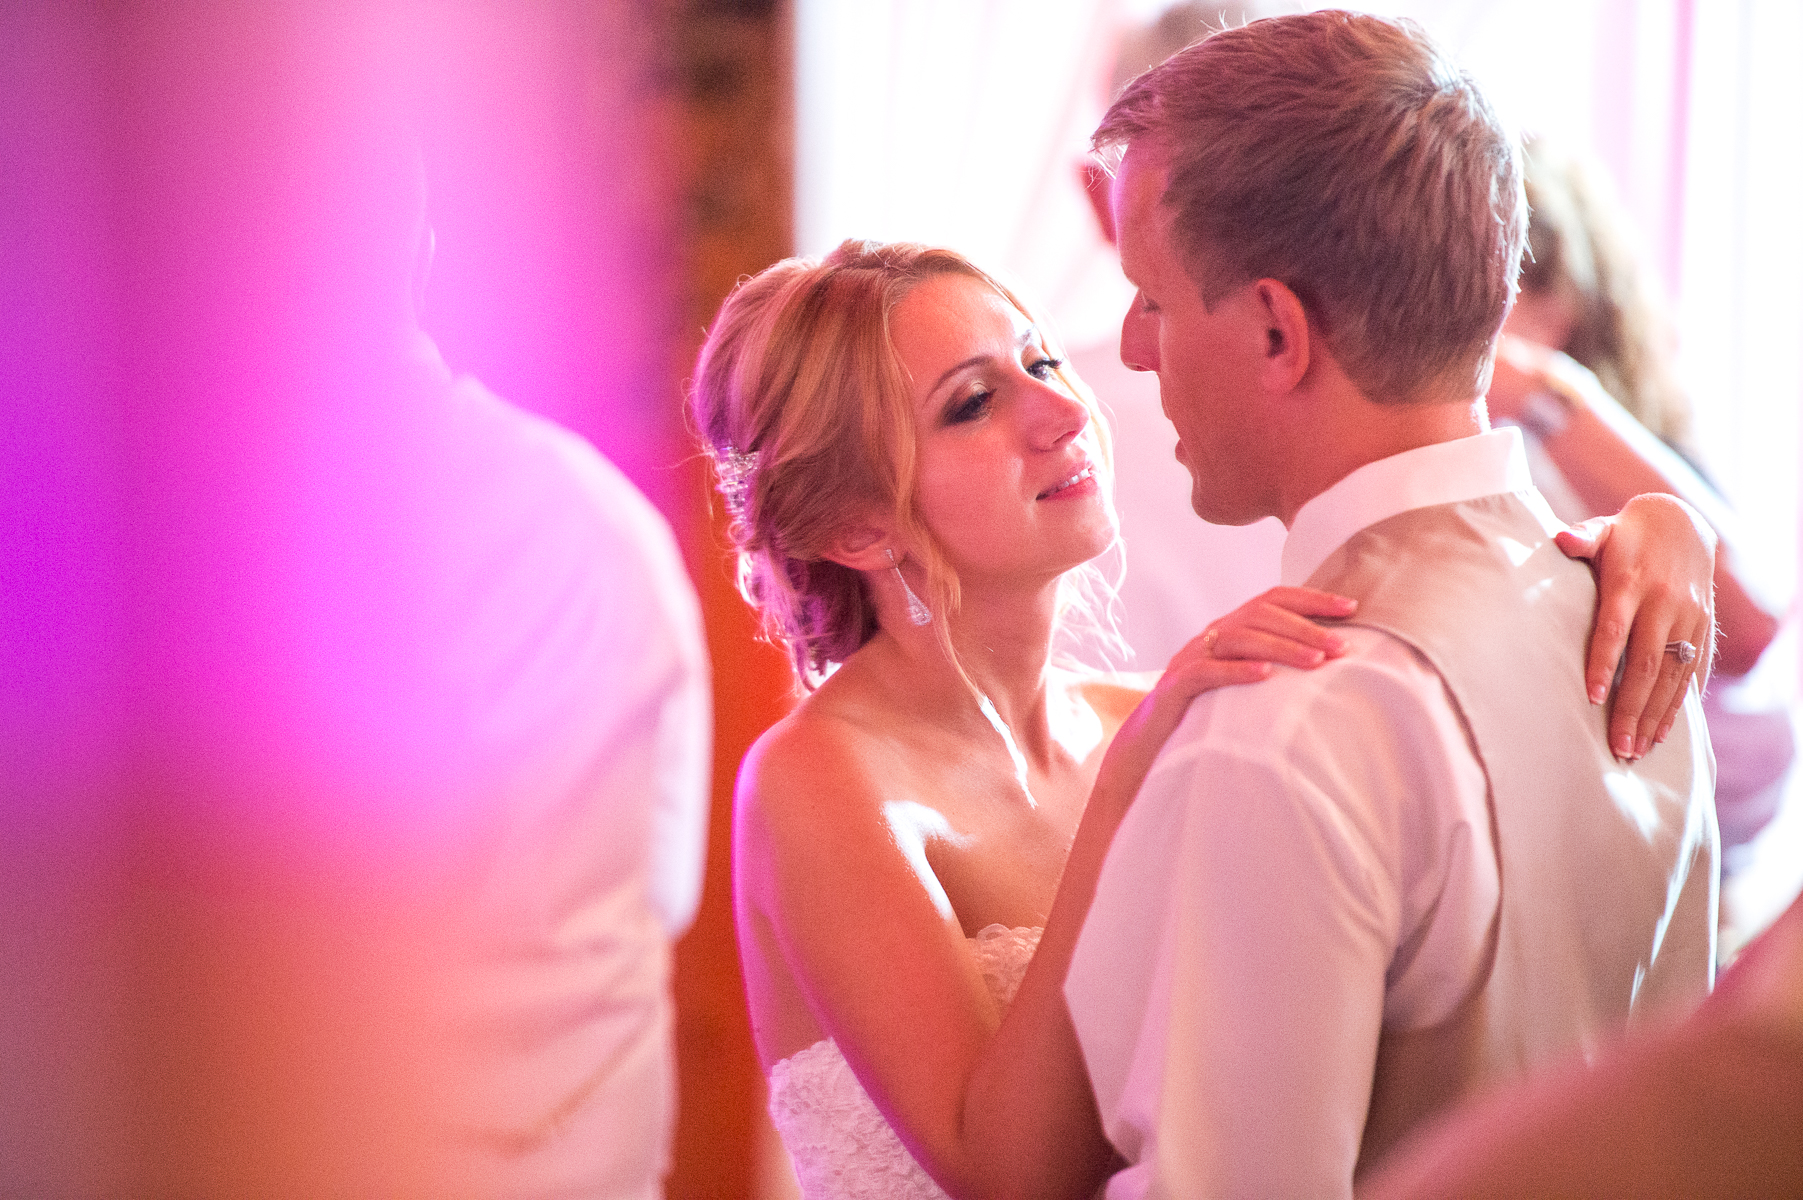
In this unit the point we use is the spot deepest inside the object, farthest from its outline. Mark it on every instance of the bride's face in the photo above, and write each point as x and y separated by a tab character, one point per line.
1010	478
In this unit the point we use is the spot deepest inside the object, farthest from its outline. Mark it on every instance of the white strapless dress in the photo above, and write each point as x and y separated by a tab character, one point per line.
842	1147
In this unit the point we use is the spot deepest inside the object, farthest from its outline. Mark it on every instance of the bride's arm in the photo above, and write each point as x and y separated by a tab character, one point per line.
1608	457
835	897
1654	562
846	934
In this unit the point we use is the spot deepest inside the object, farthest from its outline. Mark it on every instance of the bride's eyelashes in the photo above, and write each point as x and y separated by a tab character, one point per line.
1042	369
970	407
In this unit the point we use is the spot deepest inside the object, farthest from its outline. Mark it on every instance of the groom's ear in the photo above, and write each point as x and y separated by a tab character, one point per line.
862	546
1288	336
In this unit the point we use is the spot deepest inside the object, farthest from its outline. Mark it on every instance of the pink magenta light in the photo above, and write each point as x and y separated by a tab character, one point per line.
236	761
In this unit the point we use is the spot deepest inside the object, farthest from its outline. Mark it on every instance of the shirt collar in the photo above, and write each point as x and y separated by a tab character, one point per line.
1443	473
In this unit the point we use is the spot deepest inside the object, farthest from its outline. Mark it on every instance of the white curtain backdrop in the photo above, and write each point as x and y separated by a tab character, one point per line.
962	123
1741	282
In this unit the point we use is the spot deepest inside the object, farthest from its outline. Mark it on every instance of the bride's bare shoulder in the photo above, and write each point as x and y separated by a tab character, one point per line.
1113	694
835	746
811	808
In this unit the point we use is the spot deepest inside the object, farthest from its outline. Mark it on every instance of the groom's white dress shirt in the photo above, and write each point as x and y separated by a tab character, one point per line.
1310	863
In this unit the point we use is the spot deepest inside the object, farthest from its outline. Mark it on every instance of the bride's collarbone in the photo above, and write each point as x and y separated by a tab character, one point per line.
983	829
979	781
996	854
951	762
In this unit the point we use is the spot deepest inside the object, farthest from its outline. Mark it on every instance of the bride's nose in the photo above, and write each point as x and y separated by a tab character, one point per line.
1056	415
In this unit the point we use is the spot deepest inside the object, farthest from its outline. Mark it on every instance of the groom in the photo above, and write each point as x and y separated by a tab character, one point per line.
1346	897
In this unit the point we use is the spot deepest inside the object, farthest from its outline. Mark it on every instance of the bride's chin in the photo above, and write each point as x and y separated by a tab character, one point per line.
1091	543
1104	539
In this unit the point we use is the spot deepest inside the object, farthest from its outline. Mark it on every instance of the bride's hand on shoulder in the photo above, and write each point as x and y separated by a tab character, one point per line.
1655	567
1275	627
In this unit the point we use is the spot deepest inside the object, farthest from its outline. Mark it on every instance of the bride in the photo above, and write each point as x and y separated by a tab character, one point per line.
915	483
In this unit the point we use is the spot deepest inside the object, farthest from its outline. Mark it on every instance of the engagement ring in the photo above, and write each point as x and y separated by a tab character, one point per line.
1686	652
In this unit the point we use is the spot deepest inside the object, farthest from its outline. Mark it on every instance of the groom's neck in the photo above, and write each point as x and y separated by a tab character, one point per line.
1329	436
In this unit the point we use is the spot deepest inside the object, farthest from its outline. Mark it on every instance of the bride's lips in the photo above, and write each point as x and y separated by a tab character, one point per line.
1081	482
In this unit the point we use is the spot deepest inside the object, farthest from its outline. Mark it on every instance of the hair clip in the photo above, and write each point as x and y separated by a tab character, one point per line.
734	469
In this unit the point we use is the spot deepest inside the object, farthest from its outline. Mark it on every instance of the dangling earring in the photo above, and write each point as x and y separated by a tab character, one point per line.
918	612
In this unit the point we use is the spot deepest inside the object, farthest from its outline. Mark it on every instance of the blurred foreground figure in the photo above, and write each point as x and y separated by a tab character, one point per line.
1710	1107
409	702
568	634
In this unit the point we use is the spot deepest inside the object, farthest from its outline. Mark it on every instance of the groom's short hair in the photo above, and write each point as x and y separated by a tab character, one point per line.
1345	156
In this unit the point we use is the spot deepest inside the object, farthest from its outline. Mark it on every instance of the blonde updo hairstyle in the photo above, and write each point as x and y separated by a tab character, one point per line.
799	369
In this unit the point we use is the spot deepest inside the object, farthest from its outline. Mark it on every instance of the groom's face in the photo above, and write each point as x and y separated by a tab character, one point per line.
1206	356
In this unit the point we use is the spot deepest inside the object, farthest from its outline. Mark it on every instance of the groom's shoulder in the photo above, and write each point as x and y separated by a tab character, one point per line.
1358	749
1368	696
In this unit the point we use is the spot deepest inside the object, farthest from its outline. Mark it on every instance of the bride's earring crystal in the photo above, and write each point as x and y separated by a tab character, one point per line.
918	612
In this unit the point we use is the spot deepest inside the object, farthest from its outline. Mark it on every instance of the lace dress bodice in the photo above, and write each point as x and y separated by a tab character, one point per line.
842	1147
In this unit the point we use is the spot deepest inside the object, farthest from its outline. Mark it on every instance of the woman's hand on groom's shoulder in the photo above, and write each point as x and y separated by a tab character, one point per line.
1655	567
